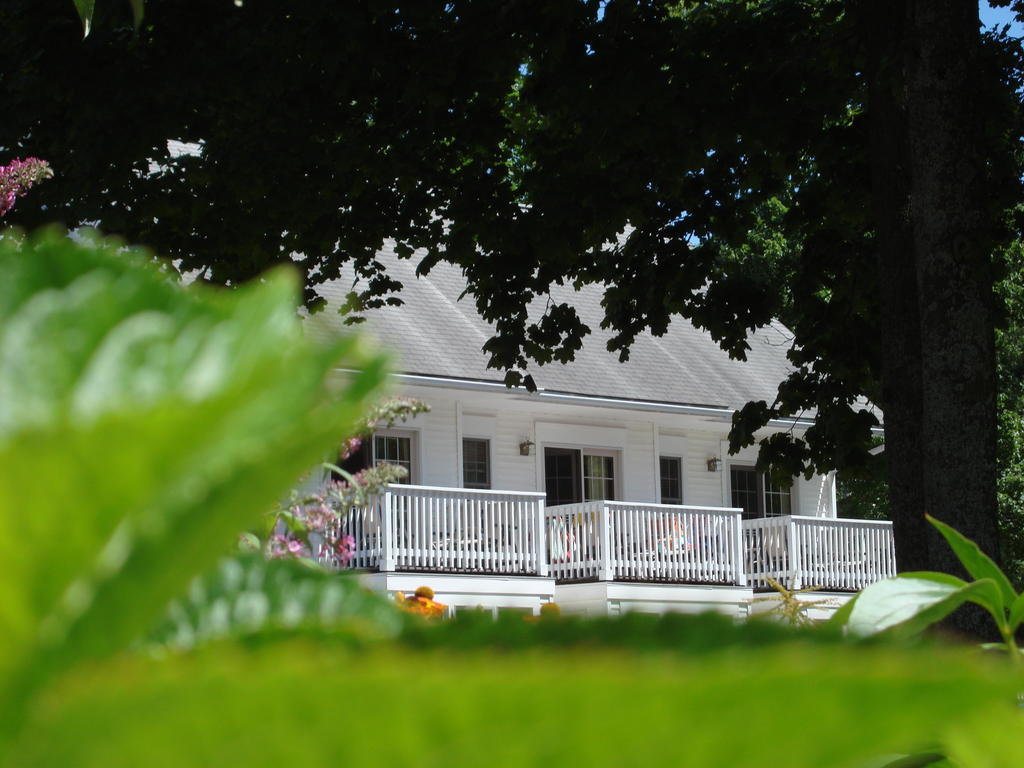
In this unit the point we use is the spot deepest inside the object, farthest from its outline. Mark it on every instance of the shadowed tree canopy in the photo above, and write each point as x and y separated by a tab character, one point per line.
879	140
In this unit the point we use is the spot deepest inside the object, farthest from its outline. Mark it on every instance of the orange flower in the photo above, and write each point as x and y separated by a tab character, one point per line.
422	603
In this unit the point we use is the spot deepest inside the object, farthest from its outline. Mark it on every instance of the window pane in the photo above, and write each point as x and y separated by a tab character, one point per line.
475	463
777	500
671	480
391	449
598	478
561	476
743	481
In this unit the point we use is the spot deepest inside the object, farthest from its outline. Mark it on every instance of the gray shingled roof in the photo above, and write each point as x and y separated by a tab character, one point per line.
435	334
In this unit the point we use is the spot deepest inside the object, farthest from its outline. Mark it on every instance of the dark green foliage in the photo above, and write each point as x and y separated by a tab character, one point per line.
1010	347
671	633
538	133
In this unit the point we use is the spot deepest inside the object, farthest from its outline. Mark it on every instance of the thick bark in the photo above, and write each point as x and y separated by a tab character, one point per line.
952	246
939	383
897	281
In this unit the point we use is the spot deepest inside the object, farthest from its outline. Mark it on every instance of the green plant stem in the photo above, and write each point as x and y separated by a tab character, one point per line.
1011	645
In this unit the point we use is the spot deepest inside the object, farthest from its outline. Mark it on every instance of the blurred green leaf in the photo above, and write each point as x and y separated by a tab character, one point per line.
905	605
138	8
977	563
303	703
85	10
919	760
249	595
1016	613
142	426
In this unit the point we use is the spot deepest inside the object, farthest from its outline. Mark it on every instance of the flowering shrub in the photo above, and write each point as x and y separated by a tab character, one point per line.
311	525
17	178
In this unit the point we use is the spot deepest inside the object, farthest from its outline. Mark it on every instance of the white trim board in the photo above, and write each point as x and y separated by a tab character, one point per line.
551	433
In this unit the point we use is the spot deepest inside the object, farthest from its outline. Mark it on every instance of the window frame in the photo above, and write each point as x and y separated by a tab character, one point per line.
488	463
678	460
412	435
762	483
579	452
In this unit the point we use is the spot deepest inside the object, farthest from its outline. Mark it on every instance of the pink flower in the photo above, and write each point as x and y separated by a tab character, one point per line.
344	549
17	178
350	446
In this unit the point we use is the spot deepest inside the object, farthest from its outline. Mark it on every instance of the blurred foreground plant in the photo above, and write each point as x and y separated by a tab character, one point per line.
142	425
908	603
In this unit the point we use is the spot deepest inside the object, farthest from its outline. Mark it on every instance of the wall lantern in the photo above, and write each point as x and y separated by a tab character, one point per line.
714	464
526	447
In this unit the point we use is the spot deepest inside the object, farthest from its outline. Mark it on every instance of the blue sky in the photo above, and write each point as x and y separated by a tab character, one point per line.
999	16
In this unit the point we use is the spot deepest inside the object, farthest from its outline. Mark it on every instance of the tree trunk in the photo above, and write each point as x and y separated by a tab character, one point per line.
897	285
936	280
952	253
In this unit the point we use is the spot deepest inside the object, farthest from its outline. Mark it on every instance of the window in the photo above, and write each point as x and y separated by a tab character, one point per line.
476	463
572	475
757	495
562	476
393	447
598	477
671	479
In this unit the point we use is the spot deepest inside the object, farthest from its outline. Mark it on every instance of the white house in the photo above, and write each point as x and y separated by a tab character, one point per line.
609	489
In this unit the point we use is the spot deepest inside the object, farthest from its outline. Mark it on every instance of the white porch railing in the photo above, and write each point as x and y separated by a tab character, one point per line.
627	541
829	553
449	530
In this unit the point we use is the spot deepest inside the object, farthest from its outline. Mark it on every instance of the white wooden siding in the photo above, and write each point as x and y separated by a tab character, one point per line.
638	461
640	437
703	488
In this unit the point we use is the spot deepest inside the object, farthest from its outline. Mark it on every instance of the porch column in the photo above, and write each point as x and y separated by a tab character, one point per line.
387	533
796	580
540	537
604	543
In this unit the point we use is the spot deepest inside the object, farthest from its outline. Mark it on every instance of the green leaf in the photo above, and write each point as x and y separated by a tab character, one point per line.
85	10
984	592
306	701
142	427
1016	613
248	595
905	605
997	647
918	760
977	563
906	761
138	8
841	617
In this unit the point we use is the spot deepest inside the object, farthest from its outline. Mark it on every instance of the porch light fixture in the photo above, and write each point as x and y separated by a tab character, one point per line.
526	447
714	464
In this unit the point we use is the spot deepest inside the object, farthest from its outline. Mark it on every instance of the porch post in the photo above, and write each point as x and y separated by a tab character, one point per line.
604	545
387	530
541	559
739	550
796	580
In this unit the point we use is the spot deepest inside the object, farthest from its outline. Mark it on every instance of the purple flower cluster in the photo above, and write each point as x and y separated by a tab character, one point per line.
318	515
17	178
